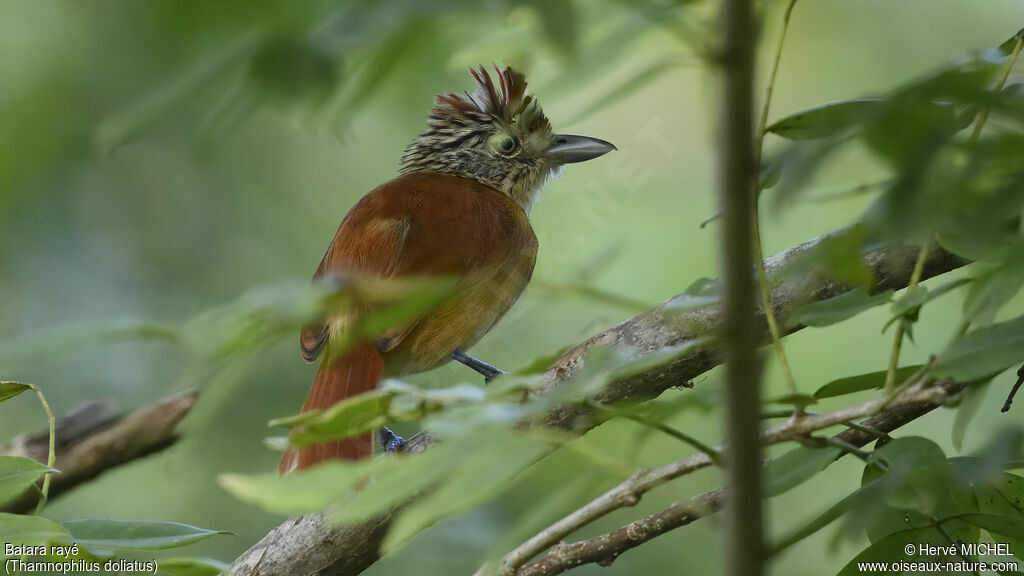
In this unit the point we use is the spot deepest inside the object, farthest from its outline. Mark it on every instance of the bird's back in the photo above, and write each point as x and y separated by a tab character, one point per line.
428	224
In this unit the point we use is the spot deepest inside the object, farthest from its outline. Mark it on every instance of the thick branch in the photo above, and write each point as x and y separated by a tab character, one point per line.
660	329
604	549
737	193
654	331
92	440
310	544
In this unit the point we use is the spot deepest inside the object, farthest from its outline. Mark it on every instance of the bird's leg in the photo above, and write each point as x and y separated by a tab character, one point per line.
389	441
486	370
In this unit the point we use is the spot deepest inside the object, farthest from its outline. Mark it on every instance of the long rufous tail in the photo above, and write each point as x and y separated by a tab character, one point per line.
353	373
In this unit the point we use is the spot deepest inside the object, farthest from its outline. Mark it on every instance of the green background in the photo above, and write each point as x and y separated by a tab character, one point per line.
129	189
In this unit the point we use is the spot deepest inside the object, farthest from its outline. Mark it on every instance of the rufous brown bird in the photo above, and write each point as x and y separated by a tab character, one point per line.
459	209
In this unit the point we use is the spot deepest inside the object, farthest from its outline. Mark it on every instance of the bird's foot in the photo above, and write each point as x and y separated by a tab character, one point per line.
389	441
486	370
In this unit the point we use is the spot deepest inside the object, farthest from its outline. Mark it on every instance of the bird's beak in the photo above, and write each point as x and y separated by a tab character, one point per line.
569	149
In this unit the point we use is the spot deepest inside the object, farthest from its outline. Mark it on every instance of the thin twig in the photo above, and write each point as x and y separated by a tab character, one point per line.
659	426
762	277
604	549
897	345
652	332
51	458
983	116
90	440
630	491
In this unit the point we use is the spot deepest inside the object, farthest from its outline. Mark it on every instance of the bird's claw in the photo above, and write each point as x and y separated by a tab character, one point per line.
389	442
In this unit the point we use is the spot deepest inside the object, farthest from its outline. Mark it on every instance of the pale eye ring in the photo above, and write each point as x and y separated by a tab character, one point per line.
505	144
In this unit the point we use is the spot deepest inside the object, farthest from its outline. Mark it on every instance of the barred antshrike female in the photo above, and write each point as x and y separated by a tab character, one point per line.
460	209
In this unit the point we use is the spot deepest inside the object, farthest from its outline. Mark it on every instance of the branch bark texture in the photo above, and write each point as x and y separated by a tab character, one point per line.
94	438
604	549
333	548
737	192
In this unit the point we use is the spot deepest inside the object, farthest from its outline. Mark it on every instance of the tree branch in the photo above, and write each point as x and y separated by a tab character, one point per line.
310	544
92	439
654	331
604	549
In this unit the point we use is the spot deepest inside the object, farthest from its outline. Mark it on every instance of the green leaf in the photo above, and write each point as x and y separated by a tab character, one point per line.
824	120
1002	524
991	291
795	467
798	400
701	293
9	390
633	83
17	475
807	530
973	396
301	492
1003	496
194	566
983	352
135	535
837	309
862	382
31	530
890	549
908	306
486	474
350	417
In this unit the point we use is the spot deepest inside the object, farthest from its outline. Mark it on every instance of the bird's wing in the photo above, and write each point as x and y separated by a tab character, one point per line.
421	225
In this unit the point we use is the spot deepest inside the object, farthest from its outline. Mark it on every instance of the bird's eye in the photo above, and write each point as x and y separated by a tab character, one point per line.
503	143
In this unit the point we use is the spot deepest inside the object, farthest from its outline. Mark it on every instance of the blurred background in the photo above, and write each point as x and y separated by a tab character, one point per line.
160	159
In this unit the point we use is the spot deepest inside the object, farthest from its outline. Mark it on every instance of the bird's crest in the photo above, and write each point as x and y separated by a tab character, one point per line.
512	104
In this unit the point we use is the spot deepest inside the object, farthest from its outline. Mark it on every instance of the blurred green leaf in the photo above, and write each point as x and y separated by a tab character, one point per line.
559	20
1003	496
824	120
795	467
837	309
917	472
17	475
135	535
287	68
9	390
892	548
798	400
482	477
1001	524
973	396
908	306
983	352
807	530
862	382
628	86
303	491
992	290
991	461
194	566
350	417
701	293
32	530
400	478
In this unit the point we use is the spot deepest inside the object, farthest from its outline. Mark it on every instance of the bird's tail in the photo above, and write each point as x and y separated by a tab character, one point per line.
353	373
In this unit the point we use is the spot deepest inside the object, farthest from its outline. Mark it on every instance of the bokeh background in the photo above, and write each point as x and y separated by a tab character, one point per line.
160	159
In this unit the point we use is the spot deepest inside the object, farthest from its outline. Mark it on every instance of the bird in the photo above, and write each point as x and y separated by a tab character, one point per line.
459	208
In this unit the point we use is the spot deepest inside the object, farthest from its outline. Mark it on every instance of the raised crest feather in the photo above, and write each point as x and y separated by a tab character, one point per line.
511	104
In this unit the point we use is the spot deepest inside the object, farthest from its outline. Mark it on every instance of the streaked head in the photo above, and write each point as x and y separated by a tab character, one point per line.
497	136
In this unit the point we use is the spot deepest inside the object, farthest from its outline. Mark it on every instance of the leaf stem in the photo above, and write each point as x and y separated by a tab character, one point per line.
983	115
643	420
762	279
897	345
52	457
